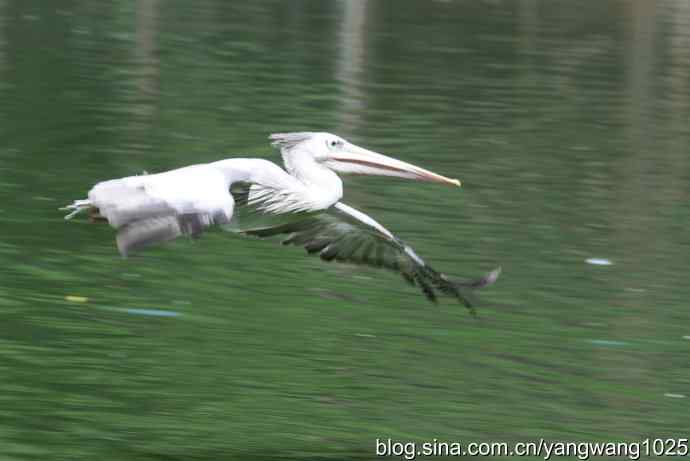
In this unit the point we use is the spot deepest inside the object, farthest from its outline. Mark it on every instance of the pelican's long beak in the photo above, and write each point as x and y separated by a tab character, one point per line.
356	160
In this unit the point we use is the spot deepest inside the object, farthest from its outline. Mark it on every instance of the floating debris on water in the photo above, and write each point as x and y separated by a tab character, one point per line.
594	324
142	311
330	294
365	335
581	148
152	312
674	396
76	299
599	261
608	342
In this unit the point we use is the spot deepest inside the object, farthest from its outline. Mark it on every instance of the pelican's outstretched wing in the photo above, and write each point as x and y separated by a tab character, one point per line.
345	234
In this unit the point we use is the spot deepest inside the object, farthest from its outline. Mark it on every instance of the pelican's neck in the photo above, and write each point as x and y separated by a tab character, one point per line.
323	184
315	184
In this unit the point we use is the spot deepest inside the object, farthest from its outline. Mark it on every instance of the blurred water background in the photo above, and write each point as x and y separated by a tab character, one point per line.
566	121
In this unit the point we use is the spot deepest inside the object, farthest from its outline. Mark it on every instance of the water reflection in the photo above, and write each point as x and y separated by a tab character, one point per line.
3	16
350	65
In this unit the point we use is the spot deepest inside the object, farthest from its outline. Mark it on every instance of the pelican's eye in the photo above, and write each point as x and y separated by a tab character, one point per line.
334	143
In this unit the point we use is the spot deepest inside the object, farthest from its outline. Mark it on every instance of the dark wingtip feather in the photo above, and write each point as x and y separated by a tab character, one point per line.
316	245
407	277
458	289
488	279
426	288
329	252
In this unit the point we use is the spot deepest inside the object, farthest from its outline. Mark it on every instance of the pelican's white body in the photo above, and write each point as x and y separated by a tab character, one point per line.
156	207
203	189
192	189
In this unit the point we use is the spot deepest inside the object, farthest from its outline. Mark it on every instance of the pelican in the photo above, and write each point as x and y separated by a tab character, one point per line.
153	208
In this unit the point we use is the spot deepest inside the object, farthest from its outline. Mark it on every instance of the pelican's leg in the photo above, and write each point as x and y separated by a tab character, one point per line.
75	207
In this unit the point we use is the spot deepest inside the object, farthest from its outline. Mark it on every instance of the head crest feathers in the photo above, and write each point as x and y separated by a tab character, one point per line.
289	140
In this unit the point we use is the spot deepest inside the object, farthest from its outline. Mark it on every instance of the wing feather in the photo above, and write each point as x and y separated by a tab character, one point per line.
344	234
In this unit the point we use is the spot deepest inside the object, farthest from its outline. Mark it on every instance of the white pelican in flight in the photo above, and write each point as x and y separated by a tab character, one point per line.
154	208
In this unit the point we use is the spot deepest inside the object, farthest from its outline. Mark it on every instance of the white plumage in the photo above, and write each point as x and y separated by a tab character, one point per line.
153	208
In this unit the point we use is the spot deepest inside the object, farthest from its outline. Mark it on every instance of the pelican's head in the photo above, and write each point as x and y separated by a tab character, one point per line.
337	154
